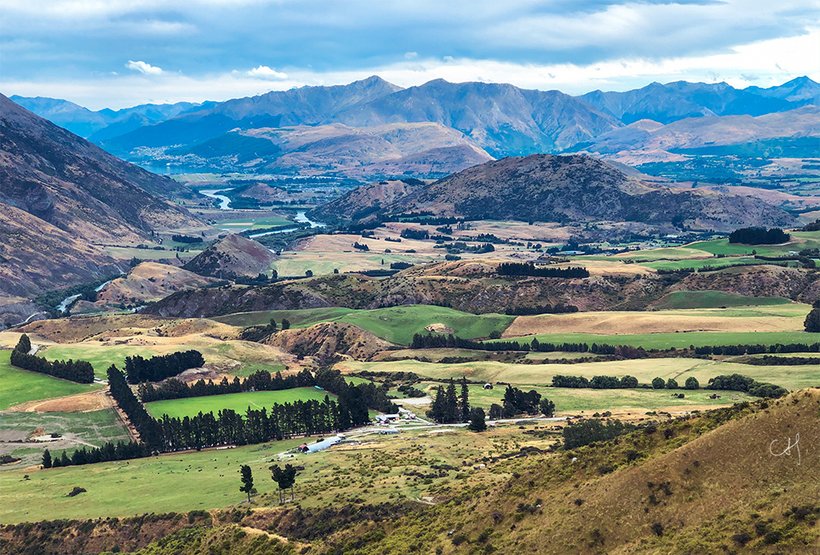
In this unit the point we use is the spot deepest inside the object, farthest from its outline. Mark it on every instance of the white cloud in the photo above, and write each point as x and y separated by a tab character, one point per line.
265	72
143	67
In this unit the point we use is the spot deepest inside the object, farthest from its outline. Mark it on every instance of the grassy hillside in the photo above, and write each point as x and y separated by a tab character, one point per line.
19	386
714	299
394	324
681	340
238	402
800	240
790	377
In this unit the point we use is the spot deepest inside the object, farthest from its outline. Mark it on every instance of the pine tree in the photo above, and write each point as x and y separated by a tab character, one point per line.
437	409
547	407
24	344
477	420
247	480
451	404
464	400
46	459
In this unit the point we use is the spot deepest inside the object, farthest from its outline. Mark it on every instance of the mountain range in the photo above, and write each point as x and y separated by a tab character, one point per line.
61	196
494	120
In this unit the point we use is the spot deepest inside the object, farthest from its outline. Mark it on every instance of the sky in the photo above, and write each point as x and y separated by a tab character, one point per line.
118	53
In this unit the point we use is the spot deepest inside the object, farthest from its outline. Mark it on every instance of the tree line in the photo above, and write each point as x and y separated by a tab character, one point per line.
79	371
262	380
158	368
530	269
109	451
434	341
625	382
759	236
738	382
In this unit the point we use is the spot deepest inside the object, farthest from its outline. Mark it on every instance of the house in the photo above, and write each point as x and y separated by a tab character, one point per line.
488	386
385	418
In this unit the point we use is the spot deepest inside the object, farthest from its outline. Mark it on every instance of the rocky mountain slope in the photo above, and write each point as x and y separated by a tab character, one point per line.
73	185
572	188
230	257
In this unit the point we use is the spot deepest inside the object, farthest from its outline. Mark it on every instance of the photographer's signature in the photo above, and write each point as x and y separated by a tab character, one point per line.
776	444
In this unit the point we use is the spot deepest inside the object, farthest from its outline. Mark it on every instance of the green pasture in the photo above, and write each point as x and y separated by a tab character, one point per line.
714	299
19	386
239	402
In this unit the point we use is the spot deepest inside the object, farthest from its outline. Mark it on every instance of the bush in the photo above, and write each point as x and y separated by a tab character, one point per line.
658	383
691	383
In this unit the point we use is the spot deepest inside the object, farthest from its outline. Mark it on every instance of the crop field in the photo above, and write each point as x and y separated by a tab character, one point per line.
790	377
714	299
577	400
800	240
239	402
210	479
127	253
238	358
700	263
75	428
395	324
680	340
251	222
774	318
19	386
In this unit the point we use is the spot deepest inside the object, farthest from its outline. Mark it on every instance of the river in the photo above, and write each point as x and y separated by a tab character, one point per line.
224	202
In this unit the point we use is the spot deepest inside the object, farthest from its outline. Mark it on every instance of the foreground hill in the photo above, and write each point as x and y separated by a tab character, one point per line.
66	181
567	189
231	257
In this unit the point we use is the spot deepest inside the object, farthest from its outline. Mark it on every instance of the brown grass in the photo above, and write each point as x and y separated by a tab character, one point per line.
82	402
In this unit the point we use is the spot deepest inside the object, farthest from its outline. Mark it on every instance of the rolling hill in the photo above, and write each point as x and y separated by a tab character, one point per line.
568	189
231	257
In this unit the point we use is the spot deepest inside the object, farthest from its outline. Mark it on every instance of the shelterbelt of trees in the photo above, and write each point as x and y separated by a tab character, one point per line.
157	368
437	341
280	421
78	371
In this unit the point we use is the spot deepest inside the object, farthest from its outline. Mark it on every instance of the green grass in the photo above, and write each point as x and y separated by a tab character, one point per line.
77	428
239	402
19	386
252	222
790	377
680	340
697	264
298	318
800	240
574	400
714	299
395	324
101	357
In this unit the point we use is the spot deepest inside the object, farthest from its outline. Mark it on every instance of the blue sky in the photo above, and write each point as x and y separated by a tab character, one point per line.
118	53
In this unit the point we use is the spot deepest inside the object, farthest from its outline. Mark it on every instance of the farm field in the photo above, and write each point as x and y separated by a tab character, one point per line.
714	299
20	386
700	263
75	428
790	377
774	318
237	358
800	240
395	324
239	402
250	222
576	400
680	340
208	479
128	253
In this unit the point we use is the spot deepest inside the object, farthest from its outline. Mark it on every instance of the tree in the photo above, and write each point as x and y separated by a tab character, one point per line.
629	382
671	383
495	411
477	421
691	383
285	324
46	459
464	401
24	344
247	480
812	323
309	273
547	407
658	383
285	478
451	404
